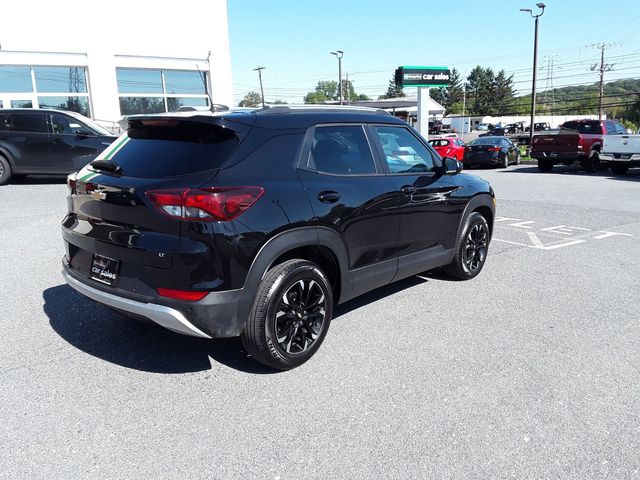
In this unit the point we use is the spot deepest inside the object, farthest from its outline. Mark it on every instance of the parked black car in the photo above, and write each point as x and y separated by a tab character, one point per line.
38	141
257	223
491	151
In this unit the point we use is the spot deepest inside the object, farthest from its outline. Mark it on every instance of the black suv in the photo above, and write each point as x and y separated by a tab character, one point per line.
257	223
35	141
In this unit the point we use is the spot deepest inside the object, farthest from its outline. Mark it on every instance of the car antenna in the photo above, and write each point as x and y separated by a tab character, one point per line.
212	107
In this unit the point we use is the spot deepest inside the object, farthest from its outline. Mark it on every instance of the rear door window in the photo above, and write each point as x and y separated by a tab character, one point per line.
25	122
341	150
177	148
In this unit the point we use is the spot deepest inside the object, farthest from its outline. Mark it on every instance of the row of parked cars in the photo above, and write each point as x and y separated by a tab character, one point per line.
483	151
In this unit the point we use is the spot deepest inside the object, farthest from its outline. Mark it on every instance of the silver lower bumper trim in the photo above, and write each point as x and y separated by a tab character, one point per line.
167	317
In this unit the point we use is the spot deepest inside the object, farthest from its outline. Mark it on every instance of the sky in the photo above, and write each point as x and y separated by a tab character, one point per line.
292	39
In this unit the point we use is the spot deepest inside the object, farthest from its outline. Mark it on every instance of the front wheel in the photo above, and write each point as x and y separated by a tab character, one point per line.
518	158
505	161
471	248
619	169
290	315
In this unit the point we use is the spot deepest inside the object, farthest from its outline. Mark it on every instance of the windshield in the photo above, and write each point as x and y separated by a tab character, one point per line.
91	124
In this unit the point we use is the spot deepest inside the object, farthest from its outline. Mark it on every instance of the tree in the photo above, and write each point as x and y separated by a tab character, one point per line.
315	97
279	102
327	91
480	85
502	93
251	99
393	90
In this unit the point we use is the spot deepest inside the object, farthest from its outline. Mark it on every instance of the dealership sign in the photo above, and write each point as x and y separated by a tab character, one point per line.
423	76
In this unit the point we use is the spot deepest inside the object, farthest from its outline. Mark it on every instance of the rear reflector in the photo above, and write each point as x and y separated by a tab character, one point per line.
188	295
205	204
495	149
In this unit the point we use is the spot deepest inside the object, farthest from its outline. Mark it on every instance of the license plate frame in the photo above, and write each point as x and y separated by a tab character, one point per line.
104	269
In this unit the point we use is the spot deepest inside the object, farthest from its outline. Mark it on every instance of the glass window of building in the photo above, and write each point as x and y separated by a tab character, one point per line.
135	80
63	88
158	91
60	79
15	79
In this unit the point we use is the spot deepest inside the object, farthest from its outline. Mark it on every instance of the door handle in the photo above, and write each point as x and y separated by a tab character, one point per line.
408	189
329	196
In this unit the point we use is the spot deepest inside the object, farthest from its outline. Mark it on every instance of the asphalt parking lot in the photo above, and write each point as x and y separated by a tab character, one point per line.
529	371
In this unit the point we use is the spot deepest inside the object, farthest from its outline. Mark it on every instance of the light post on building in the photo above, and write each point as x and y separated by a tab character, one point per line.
541	6
339	54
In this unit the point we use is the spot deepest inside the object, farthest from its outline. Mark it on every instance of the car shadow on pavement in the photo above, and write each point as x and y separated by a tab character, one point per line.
633	175
38	180
135	344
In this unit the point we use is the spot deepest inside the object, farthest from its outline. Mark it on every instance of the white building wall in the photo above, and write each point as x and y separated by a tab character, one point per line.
140	34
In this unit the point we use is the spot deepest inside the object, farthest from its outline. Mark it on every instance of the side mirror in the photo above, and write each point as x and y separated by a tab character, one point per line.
452	166
83	133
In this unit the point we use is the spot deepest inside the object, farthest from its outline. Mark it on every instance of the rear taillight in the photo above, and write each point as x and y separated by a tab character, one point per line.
205	204
71	182
188	295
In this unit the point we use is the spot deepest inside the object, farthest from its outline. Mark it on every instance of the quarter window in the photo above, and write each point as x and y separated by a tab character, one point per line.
403	152
341	150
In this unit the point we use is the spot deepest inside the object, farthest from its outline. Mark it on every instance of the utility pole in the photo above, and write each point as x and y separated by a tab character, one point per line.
259	70
348	90
339	54
604	67
541	6
464	99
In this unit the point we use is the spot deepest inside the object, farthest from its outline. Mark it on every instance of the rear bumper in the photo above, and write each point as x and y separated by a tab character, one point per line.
218	315
162	315
471	161
559	156
617	157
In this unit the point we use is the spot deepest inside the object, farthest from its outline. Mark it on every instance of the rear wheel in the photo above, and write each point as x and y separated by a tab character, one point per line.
545	165
592	162
471	248
5	170
290	315
619	169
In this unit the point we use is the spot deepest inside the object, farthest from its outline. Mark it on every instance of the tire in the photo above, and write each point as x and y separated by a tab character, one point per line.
472	246
505	161
545	165
592	162
518	158
5	170
277	308
619	169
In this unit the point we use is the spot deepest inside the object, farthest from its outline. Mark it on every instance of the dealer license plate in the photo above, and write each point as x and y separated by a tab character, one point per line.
105	269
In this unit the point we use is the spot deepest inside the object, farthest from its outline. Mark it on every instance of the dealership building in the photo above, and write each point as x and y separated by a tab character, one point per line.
134	57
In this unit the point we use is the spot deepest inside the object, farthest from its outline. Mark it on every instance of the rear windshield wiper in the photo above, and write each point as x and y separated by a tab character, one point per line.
107	165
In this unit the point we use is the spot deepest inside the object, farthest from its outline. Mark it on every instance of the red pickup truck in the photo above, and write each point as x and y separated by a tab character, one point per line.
578	141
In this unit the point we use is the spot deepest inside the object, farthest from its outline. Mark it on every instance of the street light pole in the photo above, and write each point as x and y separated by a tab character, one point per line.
535	66
259	70
339	54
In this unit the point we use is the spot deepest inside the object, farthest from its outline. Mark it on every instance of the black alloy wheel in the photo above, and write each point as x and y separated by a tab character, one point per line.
472	247
300	316
290	316
475	250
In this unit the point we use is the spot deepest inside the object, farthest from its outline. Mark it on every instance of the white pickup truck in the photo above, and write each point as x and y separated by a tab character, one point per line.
621	151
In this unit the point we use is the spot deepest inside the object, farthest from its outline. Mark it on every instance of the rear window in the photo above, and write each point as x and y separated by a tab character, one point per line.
486	141
439	143
168	151
583	127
